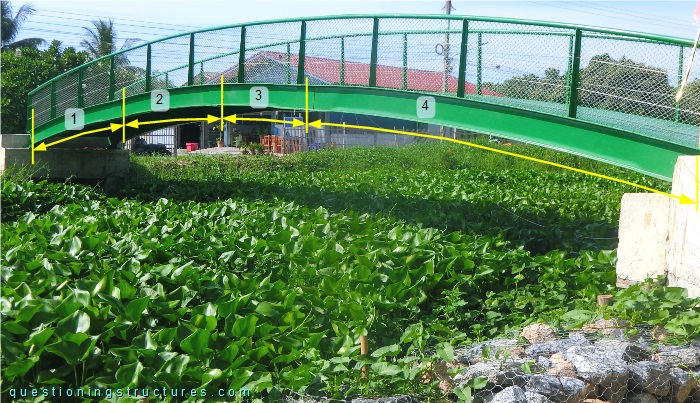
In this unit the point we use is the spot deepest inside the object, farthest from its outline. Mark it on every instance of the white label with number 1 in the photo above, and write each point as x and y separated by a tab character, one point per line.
75	119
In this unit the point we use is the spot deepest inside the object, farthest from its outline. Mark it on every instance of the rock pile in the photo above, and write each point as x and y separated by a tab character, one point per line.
596	364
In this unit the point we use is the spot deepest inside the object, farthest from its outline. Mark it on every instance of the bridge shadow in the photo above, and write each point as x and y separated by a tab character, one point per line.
538	234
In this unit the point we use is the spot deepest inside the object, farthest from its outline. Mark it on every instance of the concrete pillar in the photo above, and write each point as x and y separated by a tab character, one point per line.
660	236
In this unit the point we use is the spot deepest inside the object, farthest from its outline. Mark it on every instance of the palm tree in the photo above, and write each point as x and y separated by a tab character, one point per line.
102	39
11	26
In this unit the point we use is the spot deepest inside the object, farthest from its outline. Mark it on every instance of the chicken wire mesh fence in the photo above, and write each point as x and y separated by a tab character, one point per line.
605	360
619	80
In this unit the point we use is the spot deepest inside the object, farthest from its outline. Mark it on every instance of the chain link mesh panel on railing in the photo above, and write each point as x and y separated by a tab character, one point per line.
688	109
523	66
169	62
216	53
630	84
338	51
41	102
130	72
266	52
66	93
419	54
96	83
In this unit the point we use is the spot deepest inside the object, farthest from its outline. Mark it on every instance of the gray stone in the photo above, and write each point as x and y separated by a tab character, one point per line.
484	351
533	397
497	374
596	367
650	377
557	346
682	384
538	333
641	397
511	394
559	389
688	356
629	352
544	362
391	399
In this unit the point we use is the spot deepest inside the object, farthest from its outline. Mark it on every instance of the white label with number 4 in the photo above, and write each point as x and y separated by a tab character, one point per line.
259	97
160	100
75	119
425	107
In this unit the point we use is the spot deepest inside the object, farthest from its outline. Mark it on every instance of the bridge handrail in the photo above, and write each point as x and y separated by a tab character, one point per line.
48	110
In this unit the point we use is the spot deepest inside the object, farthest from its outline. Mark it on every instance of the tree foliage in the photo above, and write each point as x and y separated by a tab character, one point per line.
621	85
11	26
22	73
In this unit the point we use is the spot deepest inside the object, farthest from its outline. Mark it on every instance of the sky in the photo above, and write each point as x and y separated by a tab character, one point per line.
147	20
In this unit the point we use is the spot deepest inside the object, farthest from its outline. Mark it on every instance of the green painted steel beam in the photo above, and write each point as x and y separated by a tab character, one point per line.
643	154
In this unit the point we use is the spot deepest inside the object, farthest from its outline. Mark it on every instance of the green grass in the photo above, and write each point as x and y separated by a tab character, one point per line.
263	272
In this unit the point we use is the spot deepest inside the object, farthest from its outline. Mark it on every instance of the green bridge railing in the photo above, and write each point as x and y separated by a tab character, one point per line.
620	79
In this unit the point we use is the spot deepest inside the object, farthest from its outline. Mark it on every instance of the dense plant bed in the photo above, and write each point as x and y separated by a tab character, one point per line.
263	272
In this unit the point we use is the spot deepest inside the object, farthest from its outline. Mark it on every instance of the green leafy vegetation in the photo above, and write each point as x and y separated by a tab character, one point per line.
263	272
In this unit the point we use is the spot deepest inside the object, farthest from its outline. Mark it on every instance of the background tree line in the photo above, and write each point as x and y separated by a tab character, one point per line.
25	66
621	85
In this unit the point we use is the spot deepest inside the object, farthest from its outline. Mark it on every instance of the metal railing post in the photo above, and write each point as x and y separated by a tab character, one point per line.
373	55
190	63
478	64
112	81
568	71
680	80
576	64
404	65
53	99
81	102
241	57
148	68
462	74
342	60
302	53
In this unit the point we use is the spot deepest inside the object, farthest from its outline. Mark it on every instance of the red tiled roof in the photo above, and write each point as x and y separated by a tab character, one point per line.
356	73
387	76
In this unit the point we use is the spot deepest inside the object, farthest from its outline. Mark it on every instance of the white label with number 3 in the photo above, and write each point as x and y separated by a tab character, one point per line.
259	97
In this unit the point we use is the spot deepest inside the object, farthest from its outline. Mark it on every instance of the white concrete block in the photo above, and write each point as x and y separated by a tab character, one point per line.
683	248
643	233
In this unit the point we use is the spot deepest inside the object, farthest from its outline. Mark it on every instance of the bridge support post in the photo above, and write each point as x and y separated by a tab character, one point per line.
659	236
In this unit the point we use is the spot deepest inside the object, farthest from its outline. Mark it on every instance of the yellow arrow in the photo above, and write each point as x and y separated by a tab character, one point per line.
683	199
43	146
234	119
316	123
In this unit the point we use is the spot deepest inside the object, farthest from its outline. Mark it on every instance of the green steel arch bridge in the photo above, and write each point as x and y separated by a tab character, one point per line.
601	93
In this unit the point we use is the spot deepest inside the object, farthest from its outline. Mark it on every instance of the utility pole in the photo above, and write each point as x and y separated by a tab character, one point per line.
446	56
